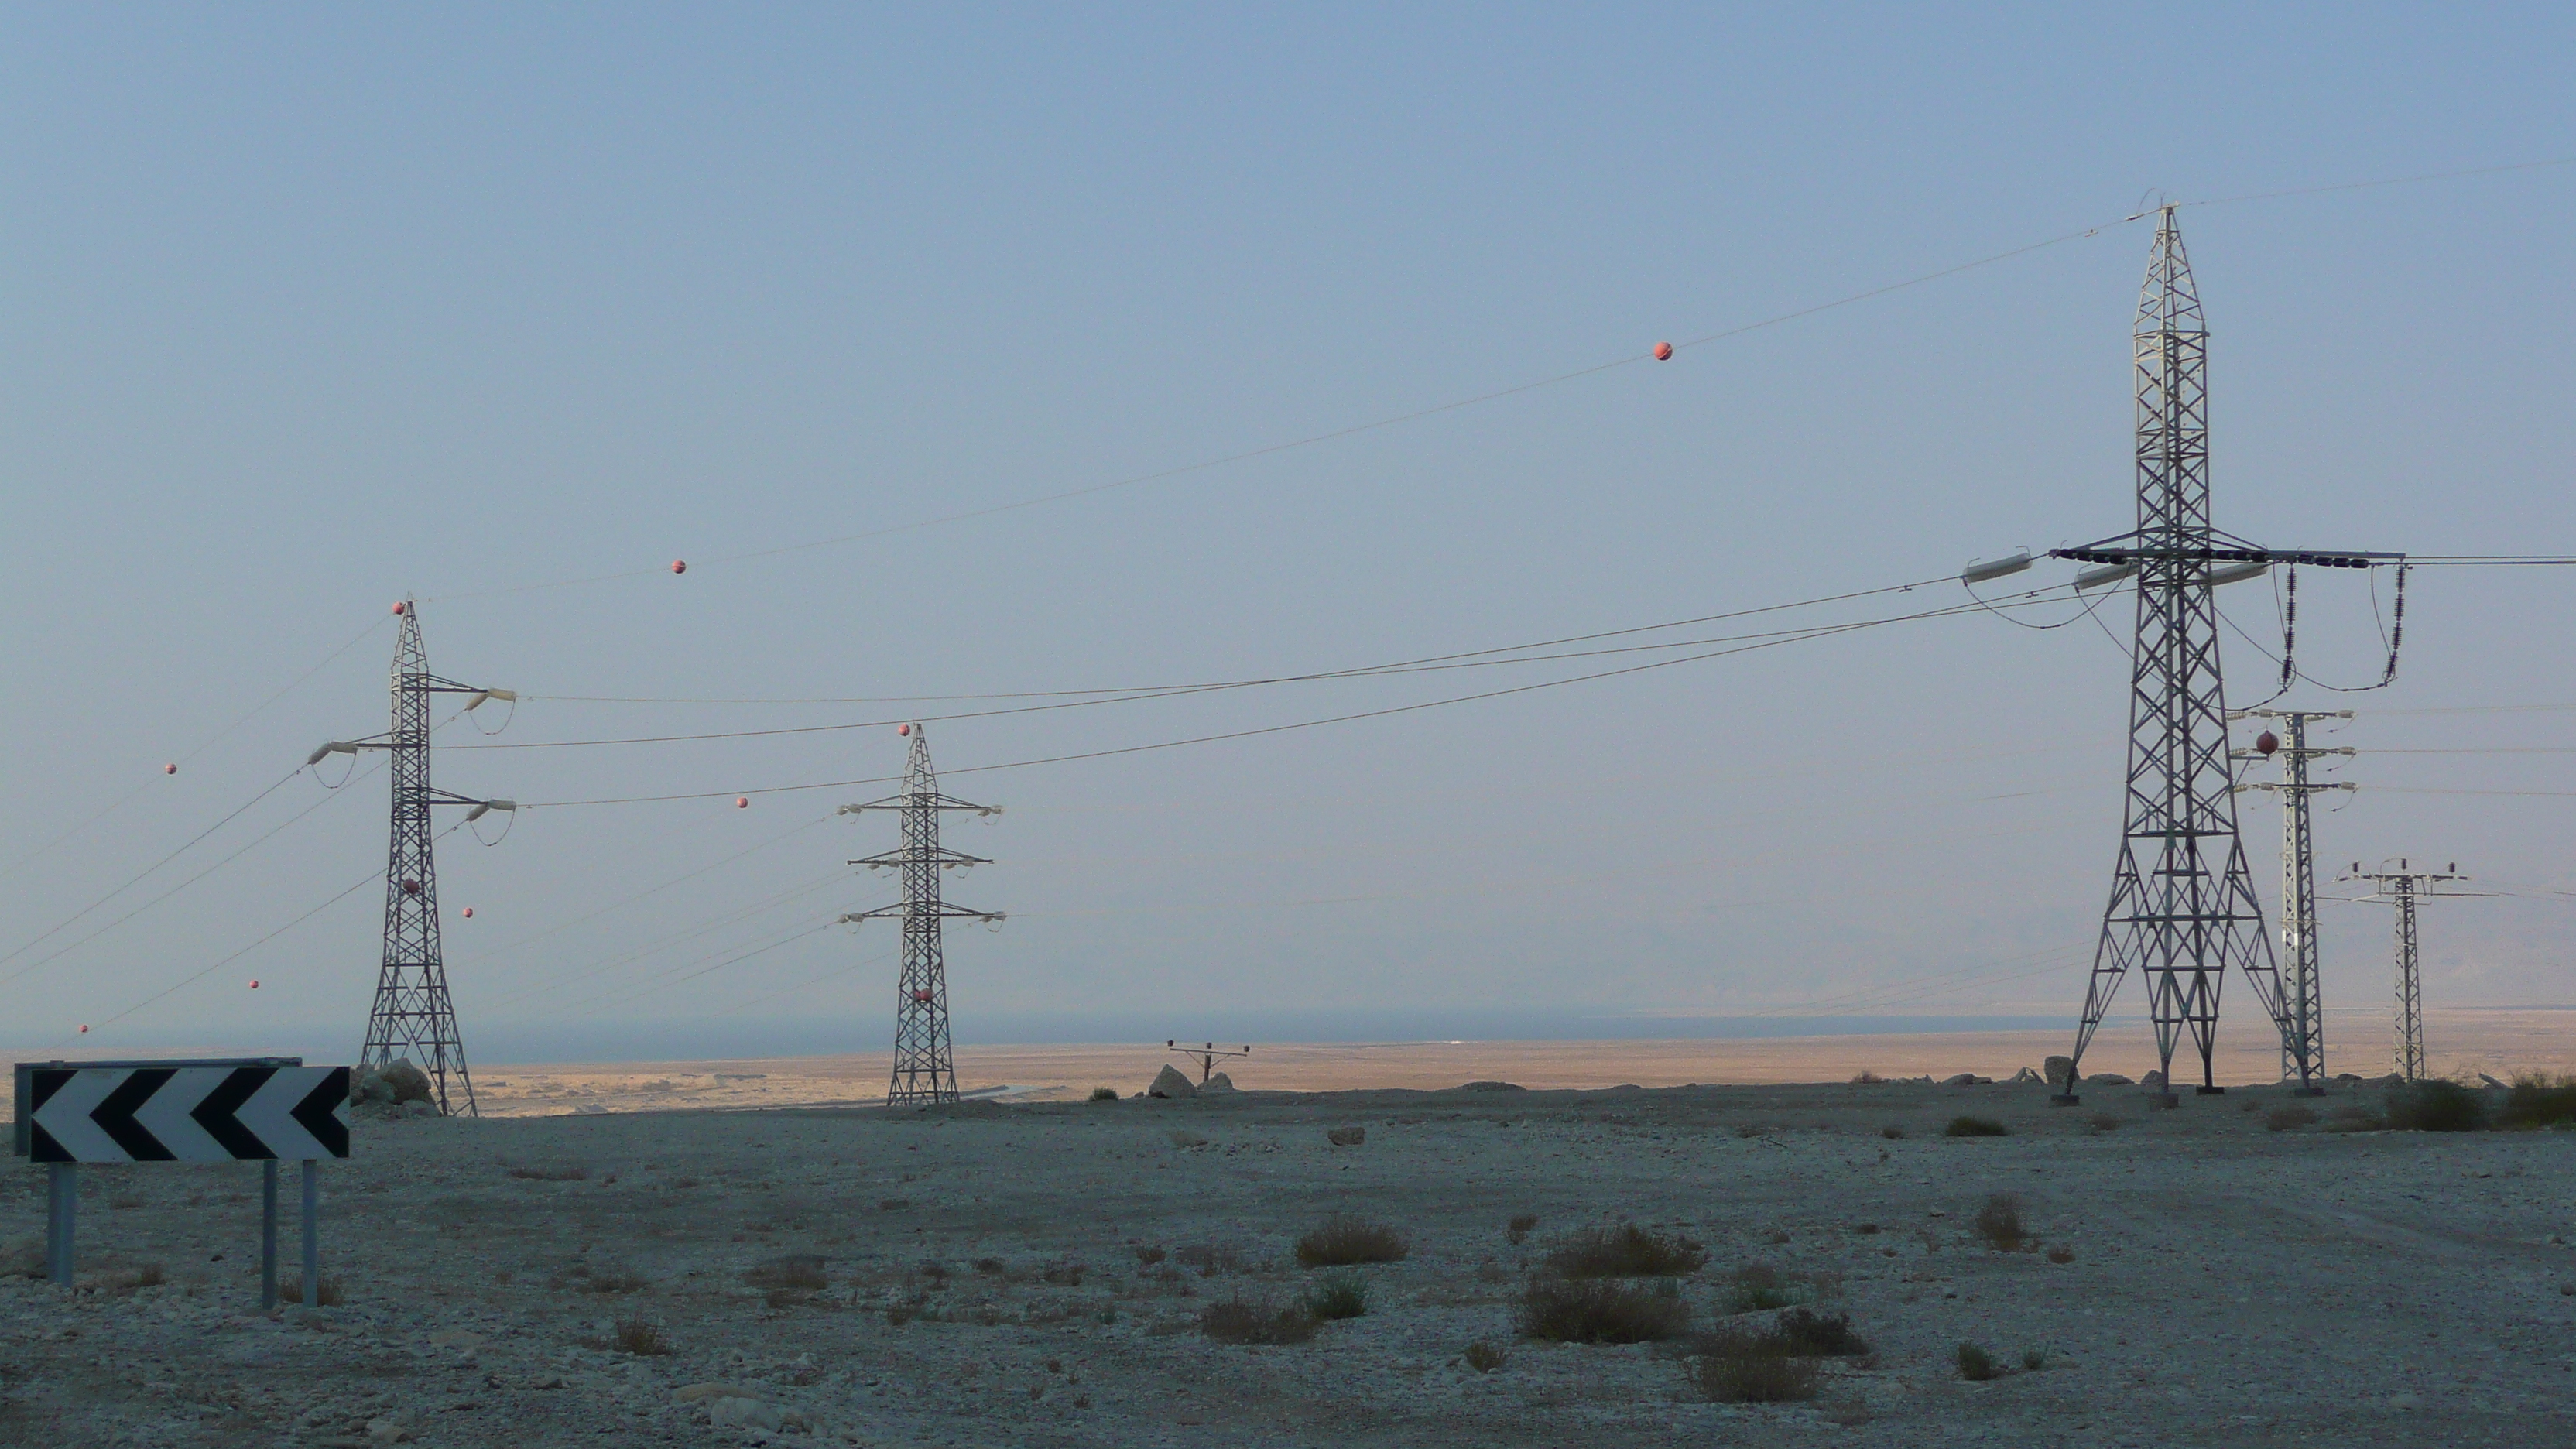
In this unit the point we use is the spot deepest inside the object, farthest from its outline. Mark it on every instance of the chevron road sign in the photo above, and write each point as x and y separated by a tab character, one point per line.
186	1113
255	1109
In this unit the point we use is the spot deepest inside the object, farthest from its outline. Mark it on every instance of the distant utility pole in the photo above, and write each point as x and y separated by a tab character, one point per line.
1207	1053
413	1017
2401	888
925	1069
2303	1025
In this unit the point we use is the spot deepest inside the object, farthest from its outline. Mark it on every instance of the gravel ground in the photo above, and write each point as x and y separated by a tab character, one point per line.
984	1278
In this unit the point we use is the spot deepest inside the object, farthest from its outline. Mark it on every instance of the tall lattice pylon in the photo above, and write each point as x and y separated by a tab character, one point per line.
2182	909
925	1069
2303	1027
413	1017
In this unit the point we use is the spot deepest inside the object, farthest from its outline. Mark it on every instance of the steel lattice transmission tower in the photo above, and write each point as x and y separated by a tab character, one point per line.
925	1069
2182	909
2402	888
2303	1027
413	1017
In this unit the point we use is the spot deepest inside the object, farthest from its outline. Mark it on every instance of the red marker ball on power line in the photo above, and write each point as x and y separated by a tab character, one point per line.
402	608
469	913
169	769
1663	352
742	802
2266	742
254	983
903	729
84	1028
679	565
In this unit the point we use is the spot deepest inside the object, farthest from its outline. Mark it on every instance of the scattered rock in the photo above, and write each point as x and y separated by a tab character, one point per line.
2492	1082
1218	1083
2152	1079
731	1412
1493	1087
368	1088
2059	1070
2106	1079
2026	1077
692	1393
419	1108
409	1083
1967	1079
1348	1136
1171	1084
386	1431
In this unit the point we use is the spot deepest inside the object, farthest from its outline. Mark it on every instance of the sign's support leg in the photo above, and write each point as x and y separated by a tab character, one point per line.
312	1233
268	1235
62	1192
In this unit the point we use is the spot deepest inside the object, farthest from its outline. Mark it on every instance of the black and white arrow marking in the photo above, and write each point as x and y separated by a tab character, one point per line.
188	1114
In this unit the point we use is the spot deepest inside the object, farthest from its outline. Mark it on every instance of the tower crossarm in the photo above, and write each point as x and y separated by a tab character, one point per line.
931	801
901	912
938	855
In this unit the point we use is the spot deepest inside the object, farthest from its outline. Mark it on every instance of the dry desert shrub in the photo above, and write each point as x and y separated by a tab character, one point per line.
1775	1364
2104	1122
1347	1136
150	1275
1975	1127
1625	1251
2033	1360
1999	1223
1599	1310
291	1290
2289	1118
992	1267
1148	1257
551	1174
1483	1357
2538	1099
1188	1139
1235	1321
1892	1132
2353	1117
2435	1106
1518	1230
2061	1254
1104	1094
1759	1287
1345	1239
638	1337
1976	1365
1866	1078
792	1276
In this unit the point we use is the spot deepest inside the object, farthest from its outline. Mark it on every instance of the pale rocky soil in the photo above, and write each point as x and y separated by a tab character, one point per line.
2229	1286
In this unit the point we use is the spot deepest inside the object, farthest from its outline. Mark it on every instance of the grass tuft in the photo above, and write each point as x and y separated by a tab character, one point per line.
1483	1357
1339	1295
1759	1287
2105	1122
2061	1254
1601	1311
1999	1223
1625	1251
1104	1094
2033	1360
2289	1118
641	1338
1976	1365
1975	1127
1345	1239
1235	1321
1892	1132
291	1290
551	1174
1775	1364
1866	1078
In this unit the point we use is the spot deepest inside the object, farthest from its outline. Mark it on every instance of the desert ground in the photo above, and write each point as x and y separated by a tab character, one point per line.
1037	1273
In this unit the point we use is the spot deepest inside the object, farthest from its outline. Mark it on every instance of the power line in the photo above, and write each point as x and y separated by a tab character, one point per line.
1819	632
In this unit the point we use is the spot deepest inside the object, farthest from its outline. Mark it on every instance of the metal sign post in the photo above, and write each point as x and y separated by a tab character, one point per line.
244	1109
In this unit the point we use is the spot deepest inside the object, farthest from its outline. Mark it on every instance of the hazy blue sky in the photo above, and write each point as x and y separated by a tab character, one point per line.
306	308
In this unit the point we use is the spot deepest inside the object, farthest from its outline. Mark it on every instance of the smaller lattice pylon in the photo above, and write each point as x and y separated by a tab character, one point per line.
2303	1011
925	1068
2402	888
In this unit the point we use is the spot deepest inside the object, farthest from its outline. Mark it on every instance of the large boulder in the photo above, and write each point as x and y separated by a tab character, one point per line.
368	1088
1967	1079
2060	1071
409	1083
2152	1079
2106	1079
1169	1083
1216	1084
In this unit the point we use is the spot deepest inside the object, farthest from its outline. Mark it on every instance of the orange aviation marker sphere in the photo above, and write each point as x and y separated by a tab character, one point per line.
399	608
679	565
742	802
1663	352
903	729
2266	742
469	913
169	769
254	983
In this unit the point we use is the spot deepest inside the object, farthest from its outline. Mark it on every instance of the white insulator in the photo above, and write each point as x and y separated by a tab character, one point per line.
2236	573
2100	574
1978	573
